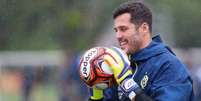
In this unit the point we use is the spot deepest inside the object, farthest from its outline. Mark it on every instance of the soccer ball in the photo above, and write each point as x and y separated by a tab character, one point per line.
94	71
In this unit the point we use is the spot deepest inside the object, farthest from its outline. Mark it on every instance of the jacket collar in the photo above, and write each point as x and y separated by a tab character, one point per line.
154	48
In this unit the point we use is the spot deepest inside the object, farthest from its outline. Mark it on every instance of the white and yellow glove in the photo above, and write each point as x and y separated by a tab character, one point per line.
120	65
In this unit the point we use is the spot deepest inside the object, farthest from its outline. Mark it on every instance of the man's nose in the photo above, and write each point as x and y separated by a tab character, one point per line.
118	34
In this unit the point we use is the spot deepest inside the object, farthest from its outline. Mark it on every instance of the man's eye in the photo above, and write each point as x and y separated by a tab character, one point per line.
123	29
115	29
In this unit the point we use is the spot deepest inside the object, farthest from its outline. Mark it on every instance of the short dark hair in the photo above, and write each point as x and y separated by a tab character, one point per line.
139	13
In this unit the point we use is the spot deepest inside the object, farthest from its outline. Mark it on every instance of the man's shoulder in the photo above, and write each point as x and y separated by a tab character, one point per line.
166	62
169	64
165	58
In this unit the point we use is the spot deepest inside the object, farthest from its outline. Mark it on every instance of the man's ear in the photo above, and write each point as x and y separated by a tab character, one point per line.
144	27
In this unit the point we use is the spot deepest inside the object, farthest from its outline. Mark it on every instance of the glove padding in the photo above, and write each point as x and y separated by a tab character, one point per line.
120	65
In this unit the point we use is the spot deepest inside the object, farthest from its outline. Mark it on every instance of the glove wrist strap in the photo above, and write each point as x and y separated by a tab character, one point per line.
97	94
129	87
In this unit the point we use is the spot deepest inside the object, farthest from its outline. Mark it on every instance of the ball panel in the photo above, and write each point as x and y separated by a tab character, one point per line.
94	70
101	85
85	64
106	68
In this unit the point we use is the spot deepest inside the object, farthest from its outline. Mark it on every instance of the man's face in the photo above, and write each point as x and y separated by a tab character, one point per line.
129	38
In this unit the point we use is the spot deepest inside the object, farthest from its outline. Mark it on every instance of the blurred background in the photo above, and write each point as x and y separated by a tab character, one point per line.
41	41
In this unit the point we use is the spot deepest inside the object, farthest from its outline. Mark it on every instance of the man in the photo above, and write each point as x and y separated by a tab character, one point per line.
157	73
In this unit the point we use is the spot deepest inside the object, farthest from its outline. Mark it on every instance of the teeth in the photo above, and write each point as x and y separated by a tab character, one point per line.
122	43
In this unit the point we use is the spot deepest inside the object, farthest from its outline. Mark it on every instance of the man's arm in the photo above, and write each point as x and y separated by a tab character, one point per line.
131	89
141	96
173	82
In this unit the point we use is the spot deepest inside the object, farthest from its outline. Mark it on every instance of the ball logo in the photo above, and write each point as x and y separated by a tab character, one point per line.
86	63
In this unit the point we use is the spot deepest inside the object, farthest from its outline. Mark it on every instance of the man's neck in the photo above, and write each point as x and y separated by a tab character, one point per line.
147	41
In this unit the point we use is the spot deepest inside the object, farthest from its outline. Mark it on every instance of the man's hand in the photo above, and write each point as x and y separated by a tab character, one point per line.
120	64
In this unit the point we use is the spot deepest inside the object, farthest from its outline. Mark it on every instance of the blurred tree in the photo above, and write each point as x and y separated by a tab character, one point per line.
50	24
69	24
187	23
186	16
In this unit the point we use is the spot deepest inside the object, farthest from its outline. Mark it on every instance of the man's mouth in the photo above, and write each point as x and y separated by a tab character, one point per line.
123	43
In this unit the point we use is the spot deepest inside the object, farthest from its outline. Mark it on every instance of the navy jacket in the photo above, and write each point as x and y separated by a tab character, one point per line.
159	73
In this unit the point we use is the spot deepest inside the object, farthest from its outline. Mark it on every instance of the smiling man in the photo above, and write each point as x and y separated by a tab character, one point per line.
131	37
158	75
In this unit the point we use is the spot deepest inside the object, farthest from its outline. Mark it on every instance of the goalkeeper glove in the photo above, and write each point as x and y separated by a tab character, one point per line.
120	64
95	94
